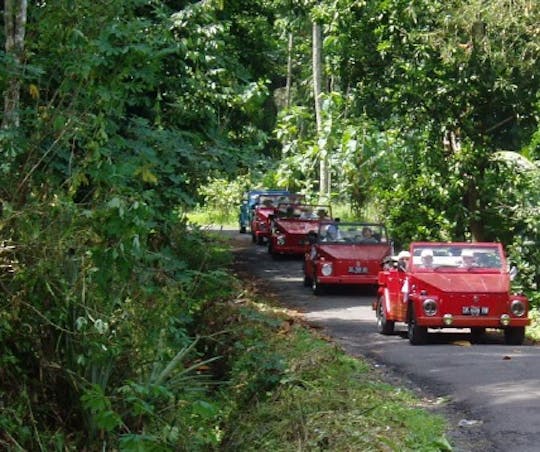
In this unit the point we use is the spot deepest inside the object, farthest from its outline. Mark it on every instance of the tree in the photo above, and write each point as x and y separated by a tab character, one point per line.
15	29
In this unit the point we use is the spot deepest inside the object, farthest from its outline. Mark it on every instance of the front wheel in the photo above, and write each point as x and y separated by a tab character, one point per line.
316	286
477	334
384	326
514	335
417	334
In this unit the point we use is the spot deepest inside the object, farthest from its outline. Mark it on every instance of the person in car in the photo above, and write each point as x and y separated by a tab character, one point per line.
467	259
426	258
367	235
403	260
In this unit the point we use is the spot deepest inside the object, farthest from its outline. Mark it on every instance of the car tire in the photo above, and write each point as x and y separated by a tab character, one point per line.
260	240
514	335
307	281
384	326
316	287
417	335
242	229
477	334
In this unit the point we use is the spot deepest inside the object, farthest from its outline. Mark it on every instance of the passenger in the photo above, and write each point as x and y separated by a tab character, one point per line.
332	233
322	214
403	260
467	259
427	258
367	235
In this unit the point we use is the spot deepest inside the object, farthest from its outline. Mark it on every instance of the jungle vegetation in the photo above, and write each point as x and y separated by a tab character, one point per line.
121	116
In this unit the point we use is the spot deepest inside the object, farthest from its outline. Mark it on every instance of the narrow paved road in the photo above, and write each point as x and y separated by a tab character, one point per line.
492	388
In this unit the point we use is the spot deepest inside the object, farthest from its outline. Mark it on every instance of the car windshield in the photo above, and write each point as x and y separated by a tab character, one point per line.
273	200
352	233
304	211
454	257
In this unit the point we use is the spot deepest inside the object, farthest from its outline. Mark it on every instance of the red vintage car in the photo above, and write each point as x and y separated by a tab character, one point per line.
451	285
291	226
266	207
346	254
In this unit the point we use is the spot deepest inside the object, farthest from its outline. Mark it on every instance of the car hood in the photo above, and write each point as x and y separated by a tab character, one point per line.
263	213
299	226
355	252
466	282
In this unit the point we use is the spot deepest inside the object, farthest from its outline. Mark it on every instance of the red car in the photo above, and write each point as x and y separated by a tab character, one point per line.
451	285
264	209
291	226
346	254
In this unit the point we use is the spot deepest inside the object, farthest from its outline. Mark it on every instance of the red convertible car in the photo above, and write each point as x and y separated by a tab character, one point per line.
346	254
266	207
451	285
291	226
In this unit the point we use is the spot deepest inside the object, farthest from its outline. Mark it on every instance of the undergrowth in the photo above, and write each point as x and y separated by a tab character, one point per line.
290	389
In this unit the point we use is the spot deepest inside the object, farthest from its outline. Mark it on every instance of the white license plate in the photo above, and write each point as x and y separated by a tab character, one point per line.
358	270
475	310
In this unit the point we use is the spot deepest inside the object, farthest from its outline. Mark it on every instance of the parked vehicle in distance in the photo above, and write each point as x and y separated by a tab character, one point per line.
266	207
291	225
345	253
451	285
248	203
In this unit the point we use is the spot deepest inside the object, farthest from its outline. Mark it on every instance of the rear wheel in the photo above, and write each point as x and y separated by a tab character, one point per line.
514	335
417	334
384	326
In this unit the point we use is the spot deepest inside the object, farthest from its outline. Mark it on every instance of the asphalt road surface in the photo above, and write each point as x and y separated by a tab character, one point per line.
490	392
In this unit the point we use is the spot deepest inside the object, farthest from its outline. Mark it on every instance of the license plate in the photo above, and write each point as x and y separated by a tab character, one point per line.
358	270
475	310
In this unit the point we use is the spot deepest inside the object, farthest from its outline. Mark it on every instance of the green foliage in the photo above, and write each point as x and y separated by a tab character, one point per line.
287	386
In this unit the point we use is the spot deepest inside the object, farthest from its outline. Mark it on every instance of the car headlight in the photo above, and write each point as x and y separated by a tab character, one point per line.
430	307
326	269
517	307
281	240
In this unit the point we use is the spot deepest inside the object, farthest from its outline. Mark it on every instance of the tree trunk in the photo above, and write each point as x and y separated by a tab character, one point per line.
324	189
289	71
15	29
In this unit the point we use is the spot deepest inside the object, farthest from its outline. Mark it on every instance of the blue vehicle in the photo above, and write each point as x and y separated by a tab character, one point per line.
250	201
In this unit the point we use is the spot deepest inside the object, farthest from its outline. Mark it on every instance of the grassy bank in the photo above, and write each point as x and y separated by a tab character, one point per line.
288	388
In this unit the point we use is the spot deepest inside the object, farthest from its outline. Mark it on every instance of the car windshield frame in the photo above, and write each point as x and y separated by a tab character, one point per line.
303	212
352	233
458	258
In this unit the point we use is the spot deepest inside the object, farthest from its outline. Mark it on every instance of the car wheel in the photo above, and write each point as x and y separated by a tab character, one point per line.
307	281
417	334
477	334
316	287
260	240
242	229
384	326
514	336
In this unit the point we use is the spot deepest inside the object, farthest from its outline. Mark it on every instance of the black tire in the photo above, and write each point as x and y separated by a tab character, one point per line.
384	326
260	240
307	281
242	229
514	335
316	287
477	334
417	335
